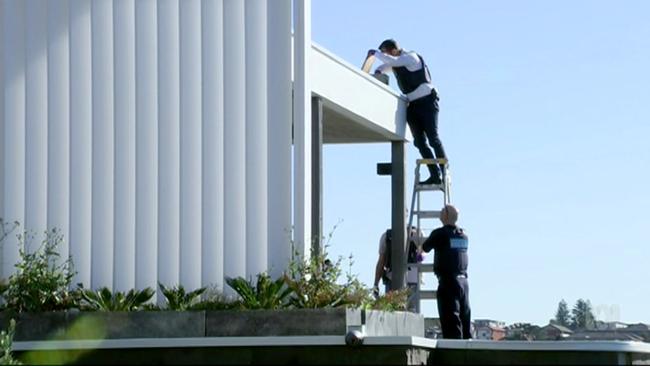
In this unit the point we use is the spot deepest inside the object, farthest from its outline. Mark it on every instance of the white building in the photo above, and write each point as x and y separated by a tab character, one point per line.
157	135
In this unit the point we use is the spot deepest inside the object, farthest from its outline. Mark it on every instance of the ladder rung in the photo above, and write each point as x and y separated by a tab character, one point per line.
428	295
430	187
431	161
427	214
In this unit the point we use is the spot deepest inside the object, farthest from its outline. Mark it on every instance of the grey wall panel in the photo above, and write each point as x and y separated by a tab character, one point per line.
103	172
14	132
147	144
81	139
190	112
169	142
36	146
124	56
58	120
213	151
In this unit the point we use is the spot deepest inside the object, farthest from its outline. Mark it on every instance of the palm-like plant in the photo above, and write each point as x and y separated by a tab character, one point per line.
265	294
105	300
178	299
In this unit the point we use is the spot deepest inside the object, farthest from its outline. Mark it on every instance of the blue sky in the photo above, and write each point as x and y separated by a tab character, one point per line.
545	118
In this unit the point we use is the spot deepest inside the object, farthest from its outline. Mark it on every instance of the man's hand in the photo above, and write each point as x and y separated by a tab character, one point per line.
375	292
371	53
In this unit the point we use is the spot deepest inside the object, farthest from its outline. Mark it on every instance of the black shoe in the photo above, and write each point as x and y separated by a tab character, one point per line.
434	179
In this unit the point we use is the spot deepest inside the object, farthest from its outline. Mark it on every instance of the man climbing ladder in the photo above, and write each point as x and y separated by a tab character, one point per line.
414	81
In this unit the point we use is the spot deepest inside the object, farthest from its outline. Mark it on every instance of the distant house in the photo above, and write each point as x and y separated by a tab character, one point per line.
554	331
639	327
605	335
610	325
489	329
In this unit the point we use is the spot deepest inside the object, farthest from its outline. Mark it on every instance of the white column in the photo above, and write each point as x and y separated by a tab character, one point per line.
124	259
80	139
279	135
103	144
147	143
36	121
14	132
302	126
190	66
256	139
168	143
234	139
213	153
58	93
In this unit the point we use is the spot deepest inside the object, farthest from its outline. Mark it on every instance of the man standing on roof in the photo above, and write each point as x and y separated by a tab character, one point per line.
450	266
414	81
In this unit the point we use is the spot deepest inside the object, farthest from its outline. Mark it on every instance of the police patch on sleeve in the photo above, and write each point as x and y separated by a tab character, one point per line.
459	243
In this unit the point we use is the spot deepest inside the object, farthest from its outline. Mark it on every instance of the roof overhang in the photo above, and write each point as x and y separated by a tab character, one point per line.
357	108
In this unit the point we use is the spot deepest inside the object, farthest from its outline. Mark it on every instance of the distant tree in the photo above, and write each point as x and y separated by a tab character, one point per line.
582	316
562	315
522	332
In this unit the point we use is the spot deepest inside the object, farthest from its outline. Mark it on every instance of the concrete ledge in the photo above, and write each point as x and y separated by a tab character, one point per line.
332	349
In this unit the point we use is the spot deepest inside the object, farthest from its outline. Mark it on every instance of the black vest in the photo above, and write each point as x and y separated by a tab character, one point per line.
408	81
451	259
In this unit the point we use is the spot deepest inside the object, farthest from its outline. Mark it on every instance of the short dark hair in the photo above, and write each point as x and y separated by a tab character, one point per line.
389	44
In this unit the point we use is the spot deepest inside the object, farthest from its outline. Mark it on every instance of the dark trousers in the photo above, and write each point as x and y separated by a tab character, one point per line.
453	308
422	118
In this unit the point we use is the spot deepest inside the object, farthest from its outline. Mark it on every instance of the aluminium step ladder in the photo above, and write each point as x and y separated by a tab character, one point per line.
417	213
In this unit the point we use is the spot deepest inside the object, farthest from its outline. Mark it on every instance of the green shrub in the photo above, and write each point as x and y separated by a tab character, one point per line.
41	282
214	299
6	342
178	299
265	294
105	300
395	300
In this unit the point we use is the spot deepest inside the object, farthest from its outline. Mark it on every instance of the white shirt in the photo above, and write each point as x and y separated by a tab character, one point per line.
411	61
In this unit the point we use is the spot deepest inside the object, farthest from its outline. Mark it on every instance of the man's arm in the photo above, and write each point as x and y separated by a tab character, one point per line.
379	269
432	242
388	61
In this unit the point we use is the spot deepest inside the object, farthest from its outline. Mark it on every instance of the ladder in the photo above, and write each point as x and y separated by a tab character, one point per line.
417	213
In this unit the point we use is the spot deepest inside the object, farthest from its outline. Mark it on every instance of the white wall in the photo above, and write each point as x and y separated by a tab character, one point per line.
115	120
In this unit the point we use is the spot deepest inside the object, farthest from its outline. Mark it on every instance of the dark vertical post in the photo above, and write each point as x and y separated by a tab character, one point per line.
317	174
398	209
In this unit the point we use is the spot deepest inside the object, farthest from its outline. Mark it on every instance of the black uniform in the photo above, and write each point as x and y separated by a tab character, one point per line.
422	113
450	265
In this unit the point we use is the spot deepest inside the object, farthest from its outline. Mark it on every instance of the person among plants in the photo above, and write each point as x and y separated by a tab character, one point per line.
383	268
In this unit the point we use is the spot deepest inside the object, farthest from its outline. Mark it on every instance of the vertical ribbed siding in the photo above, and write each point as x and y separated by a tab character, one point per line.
213	124
256	139
169	142
279	143
234	139
35	121
115	120
58	121
124	38
81	128
146	143
103	143
190	112
14	129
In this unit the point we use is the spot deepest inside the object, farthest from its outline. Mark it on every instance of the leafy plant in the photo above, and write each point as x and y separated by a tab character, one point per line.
214	299
105	300
178	299
395	300
265	294
6	343
315	283
42	281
